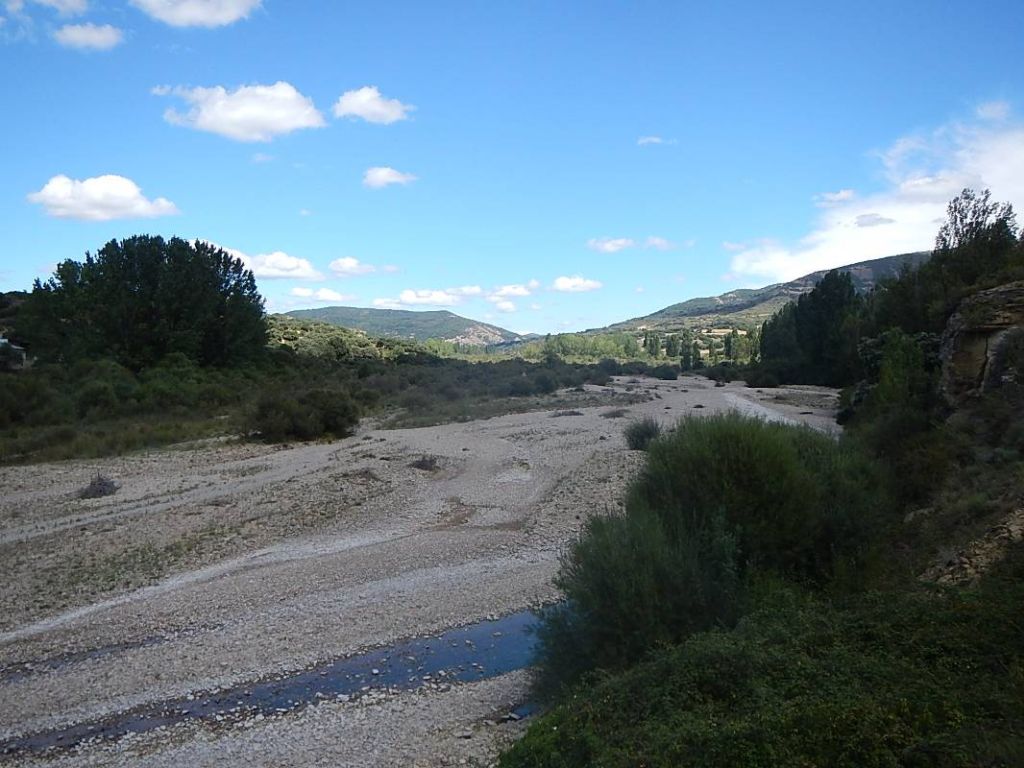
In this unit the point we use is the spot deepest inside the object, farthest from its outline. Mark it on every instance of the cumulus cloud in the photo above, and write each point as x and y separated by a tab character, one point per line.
367	104
101	198
449	297
413	298
195	13
515	289
575	284
502	305
275	265
609	244
249	113
347	266
382	176
321	294
923	173
63	7
89	37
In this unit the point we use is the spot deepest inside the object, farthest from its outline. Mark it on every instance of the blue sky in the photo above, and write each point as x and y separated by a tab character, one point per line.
546	166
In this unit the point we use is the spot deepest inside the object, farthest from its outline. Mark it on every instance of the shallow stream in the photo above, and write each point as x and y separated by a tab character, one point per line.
474	652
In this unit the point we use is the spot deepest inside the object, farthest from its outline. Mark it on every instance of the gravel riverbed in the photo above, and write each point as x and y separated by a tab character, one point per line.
217	565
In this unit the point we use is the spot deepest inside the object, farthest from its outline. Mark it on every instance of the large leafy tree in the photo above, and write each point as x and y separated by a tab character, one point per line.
143	298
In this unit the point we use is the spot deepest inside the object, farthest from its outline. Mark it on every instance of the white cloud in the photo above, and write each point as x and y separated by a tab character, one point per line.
515	289
390	269
536	307
923	173
321	294
262	157
502	305
382	176
89	36
659	243
63	7
275	265
609	244
410	297
368	104
448	297
575	284
101	198
645	141
249	113
349	267
196	13
832	198
993	110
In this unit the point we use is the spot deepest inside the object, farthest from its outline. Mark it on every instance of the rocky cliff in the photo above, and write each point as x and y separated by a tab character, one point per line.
983	343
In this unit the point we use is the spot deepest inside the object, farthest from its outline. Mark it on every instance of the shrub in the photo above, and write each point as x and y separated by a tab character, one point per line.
278	417
721	499
665	372
640	433
762	378
98	487
96	398
914	680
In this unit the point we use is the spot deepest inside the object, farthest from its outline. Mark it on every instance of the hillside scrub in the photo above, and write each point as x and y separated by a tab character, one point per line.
720	501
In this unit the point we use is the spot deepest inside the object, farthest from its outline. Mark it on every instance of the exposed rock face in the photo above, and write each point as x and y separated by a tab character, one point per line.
979	342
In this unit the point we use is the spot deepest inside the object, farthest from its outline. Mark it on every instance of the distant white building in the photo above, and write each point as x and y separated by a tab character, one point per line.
11	355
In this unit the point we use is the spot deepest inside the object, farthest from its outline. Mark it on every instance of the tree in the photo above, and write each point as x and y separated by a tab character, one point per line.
138	300
672	346
732	345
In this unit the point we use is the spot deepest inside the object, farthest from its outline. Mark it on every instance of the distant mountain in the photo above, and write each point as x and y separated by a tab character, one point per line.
752	306
415	326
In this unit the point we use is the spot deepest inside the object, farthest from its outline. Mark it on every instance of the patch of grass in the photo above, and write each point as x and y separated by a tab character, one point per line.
615	413
559	414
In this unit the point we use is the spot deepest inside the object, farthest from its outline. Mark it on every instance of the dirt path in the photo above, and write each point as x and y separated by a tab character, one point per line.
225	564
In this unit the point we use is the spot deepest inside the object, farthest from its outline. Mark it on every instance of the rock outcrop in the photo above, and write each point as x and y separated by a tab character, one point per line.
982	341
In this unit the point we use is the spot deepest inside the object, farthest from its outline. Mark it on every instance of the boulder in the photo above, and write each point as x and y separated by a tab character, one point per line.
980	340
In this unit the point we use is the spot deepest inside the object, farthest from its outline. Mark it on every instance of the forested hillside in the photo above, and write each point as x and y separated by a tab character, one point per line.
752	306
413	326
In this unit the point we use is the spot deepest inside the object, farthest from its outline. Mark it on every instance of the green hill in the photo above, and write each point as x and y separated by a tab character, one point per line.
406	324
752	306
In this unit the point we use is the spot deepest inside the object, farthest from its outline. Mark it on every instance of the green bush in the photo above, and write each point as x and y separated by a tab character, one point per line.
720	500
761	378
665	372
877	681
278	417
641	432
800	501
